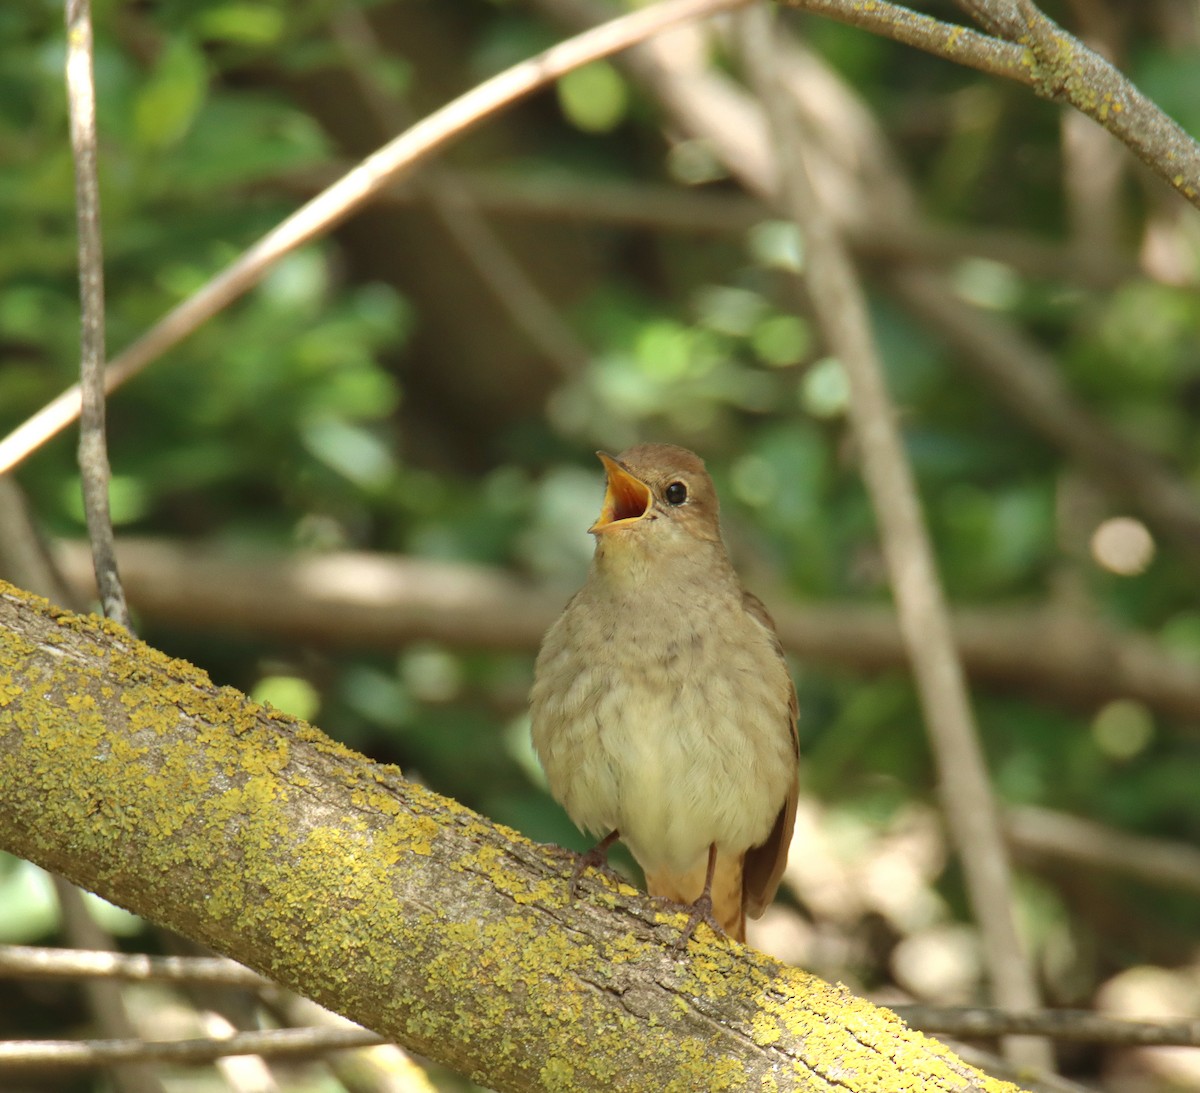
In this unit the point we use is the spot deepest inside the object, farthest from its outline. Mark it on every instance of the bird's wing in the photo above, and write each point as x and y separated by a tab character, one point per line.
764	864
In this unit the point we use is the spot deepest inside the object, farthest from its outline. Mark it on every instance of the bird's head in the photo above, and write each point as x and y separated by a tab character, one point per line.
660	499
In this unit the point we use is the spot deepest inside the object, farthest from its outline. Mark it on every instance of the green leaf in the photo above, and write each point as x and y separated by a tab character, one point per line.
782	340
290	694
168	104
242	24
594	98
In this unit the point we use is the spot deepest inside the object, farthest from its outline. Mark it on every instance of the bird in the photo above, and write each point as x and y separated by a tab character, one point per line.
662	709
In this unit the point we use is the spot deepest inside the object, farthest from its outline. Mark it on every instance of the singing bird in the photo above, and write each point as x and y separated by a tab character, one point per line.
663	711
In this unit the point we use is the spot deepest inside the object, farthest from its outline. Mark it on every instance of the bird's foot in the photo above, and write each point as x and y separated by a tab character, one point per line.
702	911
596	858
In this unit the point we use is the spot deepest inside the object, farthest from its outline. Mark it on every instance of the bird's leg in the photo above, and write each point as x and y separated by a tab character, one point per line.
702	909
596	858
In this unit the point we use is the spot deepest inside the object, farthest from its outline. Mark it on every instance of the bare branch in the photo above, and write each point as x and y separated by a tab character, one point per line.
659	207
1040	54
368	601
949	40
431	135
1057	836
1079	1025
93	450
841	314
38	962
291	1043
454	207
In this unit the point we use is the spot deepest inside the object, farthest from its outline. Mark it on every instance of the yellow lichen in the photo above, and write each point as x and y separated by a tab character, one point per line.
192	807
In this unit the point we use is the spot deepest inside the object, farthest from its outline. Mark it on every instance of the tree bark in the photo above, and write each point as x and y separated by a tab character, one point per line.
133	775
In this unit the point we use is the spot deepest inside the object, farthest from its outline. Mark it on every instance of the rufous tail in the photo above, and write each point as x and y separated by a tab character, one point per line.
686	888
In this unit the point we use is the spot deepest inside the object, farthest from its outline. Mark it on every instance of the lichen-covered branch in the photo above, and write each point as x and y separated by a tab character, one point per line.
1064	70
1026	46
133	775
959	44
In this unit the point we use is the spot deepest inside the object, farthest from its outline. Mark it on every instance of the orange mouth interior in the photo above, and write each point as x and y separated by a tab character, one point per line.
626	498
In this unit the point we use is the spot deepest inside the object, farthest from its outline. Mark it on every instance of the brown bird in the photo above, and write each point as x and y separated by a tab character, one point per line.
663	711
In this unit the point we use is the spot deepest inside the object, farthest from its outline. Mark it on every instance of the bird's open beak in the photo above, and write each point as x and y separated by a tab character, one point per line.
626	499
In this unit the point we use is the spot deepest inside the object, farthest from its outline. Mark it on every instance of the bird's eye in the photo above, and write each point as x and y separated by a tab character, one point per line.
676	493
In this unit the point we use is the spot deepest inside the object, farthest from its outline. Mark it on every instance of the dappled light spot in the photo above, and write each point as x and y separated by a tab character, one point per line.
1123	545
1123	729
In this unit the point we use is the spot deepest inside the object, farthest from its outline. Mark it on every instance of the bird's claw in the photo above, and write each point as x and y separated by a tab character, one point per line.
596	858
702	911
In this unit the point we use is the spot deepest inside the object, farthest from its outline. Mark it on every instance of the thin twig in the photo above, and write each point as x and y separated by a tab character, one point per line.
290	1042
973	1022
104	996
39	962
841	314
380	601
431	135
662	207
93	451
956	43
1046	834
460	216
1033	50
1029	381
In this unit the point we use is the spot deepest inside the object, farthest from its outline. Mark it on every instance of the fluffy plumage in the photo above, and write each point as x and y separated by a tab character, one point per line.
662	706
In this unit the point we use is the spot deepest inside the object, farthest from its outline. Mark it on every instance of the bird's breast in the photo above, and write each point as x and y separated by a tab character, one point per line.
666	721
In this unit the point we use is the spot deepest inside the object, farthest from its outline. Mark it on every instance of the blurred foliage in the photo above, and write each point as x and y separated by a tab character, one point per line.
332	406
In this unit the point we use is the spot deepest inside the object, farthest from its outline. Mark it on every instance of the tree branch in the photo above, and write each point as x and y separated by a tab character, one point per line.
1033	50
359	600
840	309
251	832
93	451
662	207
40	962
1078	1025
285	1043
950	41
1057	836
430	136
